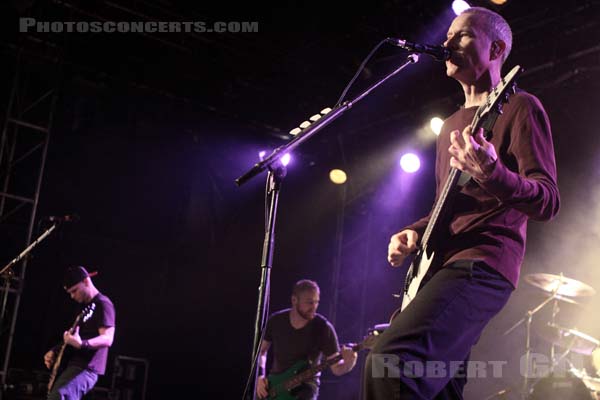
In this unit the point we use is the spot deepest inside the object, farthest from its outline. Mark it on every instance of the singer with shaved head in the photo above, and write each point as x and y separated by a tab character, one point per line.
474	251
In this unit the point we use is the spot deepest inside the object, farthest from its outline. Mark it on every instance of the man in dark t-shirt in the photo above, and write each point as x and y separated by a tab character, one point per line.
300	334
87	345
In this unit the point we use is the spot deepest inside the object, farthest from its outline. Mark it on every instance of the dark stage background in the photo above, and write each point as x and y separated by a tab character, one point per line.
150	132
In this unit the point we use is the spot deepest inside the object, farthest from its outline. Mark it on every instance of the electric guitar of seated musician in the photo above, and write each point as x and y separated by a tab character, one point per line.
83	316
281	385
485	117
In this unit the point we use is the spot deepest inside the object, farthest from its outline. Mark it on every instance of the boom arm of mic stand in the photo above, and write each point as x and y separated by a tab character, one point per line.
29	248
314	128
7	268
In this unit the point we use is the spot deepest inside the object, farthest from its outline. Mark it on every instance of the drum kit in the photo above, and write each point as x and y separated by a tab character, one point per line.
564	341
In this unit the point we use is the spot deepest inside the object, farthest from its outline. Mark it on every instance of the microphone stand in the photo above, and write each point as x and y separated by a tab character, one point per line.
274	179
29	248
6	272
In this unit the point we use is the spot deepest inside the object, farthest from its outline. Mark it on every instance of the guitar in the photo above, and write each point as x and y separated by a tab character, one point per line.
281	385
485	117
83	316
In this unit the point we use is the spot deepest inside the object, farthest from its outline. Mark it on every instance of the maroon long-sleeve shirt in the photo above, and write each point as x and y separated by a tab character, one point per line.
489	218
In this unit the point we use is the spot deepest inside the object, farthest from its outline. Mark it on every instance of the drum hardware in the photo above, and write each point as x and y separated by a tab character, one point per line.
560	288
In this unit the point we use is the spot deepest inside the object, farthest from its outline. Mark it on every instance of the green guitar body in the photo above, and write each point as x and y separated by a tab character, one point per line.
277	391
281	386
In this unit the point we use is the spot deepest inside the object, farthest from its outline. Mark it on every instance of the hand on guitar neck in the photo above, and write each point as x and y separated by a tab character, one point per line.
72	338
402	244
472	153
53	357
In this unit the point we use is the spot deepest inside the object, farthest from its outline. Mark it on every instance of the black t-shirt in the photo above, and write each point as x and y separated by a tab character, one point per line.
103	316
290	345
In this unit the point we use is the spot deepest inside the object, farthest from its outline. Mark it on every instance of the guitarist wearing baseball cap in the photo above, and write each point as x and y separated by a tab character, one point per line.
76	363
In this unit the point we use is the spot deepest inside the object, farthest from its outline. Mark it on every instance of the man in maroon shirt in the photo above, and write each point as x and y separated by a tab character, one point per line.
482	242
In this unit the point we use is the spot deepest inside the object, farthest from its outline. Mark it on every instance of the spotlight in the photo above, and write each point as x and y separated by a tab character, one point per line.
410	162
436	125
337	176
458	6
261	155
285	159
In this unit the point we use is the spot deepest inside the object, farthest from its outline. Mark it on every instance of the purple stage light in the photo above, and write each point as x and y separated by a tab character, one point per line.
285	159
261	155
458	6
410	162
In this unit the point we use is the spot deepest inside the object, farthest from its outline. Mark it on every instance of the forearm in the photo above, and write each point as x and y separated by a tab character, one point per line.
262	364
535	195
418	226
98	342
341	368
524	176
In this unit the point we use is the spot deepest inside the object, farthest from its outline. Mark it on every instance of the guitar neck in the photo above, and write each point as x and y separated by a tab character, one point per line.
59	355
440	206
312	371
63	347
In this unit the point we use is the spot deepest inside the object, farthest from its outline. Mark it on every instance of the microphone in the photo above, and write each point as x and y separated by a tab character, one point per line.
440	53
63	218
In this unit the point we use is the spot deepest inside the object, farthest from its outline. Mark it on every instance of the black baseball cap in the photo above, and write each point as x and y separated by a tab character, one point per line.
74	275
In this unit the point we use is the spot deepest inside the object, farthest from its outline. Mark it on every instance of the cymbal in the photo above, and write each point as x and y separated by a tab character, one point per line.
572	339
562	285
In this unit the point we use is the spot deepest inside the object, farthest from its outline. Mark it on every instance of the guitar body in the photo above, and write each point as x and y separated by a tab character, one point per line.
281	386
414	277
419	267
277	389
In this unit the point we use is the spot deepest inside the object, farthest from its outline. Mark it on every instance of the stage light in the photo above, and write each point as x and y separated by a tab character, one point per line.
436	125
261	155
498	2
285	159
337	176
410	162
458	6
